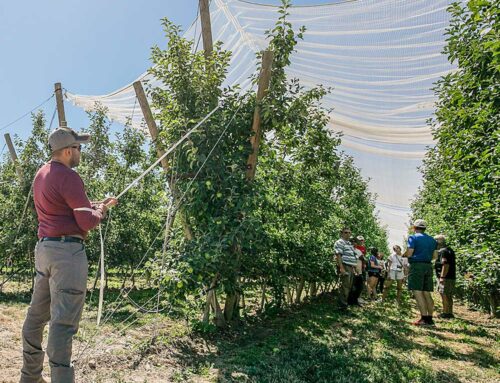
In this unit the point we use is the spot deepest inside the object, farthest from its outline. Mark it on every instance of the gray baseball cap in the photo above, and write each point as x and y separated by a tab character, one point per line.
420	223
64	137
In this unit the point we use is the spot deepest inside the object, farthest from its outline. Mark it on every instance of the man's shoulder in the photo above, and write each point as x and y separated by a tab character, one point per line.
422	237
343	245
413	237
45	168
68	174
57	175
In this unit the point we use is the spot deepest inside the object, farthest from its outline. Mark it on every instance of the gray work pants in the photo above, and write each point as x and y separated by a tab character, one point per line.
58	297
345	287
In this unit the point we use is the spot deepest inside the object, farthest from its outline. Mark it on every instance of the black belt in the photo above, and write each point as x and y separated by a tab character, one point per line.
62	239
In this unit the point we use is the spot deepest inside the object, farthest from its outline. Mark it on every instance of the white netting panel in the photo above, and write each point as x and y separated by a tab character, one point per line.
382	58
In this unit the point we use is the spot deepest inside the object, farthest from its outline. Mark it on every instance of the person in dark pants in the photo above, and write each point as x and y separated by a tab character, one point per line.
373	273
422	249
361	252
357	284
446	274
383	273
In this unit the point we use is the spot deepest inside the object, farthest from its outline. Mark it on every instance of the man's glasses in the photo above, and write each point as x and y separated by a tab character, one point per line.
79	147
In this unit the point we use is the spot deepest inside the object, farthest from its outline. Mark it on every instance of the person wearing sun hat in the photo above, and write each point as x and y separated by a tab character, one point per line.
422	249
65	216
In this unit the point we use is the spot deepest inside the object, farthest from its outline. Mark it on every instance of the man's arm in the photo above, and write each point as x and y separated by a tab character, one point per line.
74	195
408	253
445	268
444	271
435	255
374	266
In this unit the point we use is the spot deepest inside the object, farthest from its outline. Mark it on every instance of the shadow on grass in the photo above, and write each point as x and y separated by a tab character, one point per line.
23	297
317	344
118	309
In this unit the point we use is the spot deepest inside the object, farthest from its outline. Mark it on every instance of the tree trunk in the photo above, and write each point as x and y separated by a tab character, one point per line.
188	232
219	319
493	299
300	288
231	309
132	275
206	311
124	277
212	302
242	300
263	296
329	287
289	295
313	289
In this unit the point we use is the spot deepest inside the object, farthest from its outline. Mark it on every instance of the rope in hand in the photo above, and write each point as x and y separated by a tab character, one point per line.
132	184
170	150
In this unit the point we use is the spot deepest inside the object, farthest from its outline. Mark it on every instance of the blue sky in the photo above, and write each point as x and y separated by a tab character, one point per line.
91	47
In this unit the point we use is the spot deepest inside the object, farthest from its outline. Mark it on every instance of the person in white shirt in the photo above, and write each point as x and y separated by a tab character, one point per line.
398	269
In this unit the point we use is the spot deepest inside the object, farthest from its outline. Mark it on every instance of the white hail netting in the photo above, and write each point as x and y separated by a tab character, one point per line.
382	58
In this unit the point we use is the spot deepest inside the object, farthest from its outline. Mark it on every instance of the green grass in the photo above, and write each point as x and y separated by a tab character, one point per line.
312	342
317	344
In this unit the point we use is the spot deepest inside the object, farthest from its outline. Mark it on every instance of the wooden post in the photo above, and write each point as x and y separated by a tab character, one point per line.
264	80
150	121
206	27
60	104
13	155
153	131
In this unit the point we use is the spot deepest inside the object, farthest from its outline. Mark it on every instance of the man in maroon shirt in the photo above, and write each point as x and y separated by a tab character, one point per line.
65	215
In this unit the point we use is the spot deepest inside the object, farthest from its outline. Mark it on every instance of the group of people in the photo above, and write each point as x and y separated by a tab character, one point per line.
361	270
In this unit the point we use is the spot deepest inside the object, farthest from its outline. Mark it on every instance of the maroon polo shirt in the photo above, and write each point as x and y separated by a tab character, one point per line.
58	191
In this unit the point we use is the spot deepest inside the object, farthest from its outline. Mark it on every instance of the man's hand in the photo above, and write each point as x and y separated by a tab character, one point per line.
110	201
106	204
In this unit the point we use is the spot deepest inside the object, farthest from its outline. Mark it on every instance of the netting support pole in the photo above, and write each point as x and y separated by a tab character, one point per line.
150	121
264	80
206	27
13	155
153	131
60	104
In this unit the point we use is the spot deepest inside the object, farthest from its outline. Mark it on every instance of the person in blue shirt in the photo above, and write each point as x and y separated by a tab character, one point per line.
422	249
